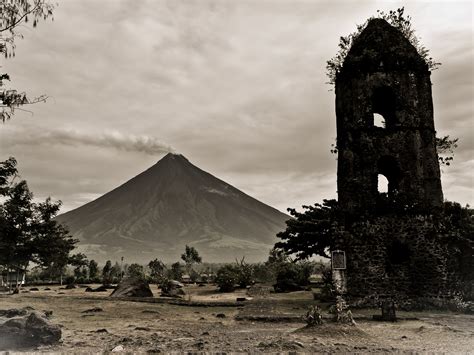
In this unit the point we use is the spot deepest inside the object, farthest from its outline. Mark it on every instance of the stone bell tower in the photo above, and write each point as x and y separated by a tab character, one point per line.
385	127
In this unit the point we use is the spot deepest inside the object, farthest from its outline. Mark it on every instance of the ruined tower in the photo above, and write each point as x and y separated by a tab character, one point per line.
383	78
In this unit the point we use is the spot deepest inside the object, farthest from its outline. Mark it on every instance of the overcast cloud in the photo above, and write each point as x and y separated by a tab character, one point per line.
238	87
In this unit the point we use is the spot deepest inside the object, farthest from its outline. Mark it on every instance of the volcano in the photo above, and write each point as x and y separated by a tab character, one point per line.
174	203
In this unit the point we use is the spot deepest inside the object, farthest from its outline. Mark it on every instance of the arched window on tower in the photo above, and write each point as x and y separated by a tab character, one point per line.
388	175
382	184
383	107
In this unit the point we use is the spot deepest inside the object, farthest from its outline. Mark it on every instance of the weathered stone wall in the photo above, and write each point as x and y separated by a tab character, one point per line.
402	256
394	245
383	74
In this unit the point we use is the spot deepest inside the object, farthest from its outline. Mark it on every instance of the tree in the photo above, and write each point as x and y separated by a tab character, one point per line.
106	273
311	232
93	270
13	15
28	231
176	272
190	257
136	271
79	262
157	269
116	272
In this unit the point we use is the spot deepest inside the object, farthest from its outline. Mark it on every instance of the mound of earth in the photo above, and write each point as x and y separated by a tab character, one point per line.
30	330
131	287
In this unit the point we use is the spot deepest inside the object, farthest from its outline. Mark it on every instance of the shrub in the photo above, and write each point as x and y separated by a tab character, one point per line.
313	316
70	280
245	275
227	277
292	276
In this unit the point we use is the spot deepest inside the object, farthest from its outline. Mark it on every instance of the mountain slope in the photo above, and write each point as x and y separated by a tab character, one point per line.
169	205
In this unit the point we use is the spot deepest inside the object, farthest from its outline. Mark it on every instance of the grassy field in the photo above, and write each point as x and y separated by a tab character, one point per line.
224	327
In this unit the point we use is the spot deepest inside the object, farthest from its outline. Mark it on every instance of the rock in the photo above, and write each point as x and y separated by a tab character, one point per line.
30	330
98	289
131	287
70	287
14	312
176	284
172	288
118	348
47	289
93	310
102	330
34	289
102	288
150	311
220	315
146	329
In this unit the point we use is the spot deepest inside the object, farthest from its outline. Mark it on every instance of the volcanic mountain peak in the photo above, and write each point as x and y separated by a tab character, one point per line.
171	204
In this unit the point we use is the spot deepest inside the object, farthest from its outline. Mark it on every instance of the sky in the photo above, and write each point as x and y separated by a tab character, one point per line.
238	87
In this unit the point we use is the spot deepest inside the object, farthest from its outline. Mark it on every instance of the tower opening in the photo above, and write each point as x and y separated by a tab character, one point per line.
398	253
379	121
382	184
383	104
388	167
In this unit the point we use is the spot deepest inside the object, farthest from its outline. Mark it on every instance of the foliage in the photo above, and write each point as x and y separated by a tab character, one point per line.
292	276
13	15
312	231
136	271
227	278
328	291
397	19
341	312
28	231
245	273
93	270
445	147
106	273
116	272
190	257
314	316
79	262
176	272
157	269
166	285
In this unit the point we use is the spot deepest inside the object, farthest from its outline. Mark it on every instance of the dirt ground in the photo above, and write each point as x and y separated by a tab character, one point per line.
265	323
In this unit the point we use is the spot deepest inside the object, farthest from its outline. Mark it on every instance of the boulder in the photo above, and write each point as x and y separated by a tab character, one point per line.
131	287
172	288
27	331
14	312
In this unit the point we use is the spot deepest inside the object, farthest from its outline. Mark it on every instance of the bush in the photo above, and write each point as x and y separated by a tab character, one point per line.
70	280
227	277
194	275
165	285
176	272
328	291
293	276
245	273
264	273
313	316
